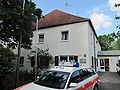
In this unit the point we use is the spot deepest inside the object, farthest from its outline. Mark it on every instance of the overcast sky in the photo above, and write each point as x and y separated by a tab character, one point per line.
101	12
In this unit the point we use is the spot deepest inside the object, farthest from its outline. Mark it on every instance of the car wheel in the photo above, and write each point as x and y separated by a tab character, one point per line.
96	87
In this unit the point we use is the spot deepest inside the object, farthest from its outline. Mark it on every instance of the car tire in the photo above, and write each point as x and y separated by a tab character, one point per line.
96	87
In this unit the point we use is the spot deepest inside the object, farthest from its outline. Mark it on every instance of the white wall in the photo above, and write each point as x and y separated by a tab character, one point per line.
27	64
80	42
77	41
112	62
92	43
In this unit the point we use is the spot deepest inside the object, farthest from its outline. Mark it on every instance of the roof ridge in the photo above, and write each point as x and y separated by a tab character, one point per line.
65	13
57	18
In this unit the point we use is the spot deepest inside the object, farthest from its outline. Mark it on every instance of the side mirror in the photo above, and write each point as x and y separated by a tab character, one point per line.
73	85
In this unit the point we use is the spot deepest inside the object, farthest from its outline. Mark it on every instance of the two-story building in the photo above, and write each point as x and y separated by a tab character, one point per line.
68	37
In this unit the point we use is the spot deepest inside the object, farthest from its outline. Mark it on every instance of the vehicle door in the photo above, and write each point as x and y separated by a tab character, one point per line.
80	80
93	78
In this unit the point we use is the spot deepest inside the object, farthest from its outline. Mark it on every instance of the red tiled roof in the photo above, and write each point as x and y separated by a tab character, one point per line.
57	17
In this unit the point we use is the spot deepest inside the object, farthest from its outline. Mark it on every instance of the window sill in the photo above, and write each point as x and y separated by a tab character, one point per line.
40	43
64	41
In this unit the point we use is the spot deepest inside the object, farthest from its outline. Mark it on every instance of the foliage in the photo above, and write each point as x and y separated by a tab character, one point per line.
110	41
26	77
7	64
13	20
7	83
43	56
7	58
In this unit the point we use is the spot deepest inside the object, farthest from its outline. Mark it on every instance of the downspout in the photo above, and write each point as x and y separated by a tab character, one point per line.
94	52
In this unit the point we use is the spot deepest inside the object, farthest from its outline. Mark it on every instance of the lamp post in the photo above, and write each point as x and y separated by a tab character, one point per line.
36	47
19	53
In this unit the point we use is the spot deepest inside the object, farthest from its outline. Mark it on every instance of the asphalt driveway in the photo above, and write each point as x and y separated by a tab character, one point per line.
109	81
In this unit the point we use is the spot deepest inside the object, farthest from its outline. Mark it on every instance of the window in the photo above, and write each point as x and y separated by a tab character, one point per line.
75	78
97	62
76	58
71	58
41	38
63	58
101	62
90	71
64	35
21	61
53	79
84	74
92	61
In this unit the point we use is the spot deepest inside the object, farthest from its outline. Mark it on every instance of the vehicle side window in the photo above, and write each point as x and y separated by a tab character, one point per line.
90	71
75	77
84	74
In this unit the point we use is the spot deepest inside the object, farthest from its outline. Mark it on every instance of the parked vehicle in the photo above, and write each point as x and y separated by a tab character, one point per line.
118	67
65	78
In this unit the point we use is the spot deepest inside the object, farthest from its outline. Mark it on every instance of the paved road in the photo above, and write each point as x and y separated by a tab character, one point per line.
110	81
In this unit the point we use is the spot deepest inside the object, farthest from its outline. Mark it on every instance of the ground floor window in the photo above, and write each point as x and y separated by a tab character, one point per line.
21	61
101	62
63	58
69	58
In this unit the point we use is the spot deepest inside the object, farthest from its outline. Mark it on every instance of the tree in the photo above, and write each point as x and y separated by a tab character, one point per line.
7	64
13	19
106	41
6	60
44	58
16	25
110	41
118	27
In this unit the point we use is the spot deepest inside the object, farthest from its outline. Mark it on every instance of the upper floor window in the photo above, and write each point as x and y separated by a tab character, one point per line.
41	38
64	35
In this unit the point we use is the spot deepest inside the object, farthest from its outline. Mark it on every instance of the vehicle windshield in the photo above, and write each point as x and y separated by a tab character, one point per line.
53	79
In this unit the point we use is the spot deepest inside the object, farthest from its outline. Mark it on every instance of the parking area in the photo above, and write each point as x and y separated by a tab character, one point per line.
109	81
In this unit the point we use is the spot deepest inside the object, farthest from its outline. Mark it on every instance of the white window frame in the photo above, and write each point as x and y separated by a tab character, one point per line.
42	41
63	35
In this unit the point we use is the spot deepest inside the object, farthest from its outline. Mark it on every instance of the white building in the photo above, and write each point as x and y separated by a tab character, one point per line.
108	60
68	38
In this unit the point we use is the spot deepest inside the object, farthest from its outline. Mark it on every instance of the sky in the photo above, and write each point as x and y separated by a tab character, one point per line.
101	12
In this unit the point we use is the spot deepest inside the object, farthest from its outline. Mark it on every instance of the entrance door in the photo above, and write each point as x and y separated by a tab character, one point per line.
102	65
106	64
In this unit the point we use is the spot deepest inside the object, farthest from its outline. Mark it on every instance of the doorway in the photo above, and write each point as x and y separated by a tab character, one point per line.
106	64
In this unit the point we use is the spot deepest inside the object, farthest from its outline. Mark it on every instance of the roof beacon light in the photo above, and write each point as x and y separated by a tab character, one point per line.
76	64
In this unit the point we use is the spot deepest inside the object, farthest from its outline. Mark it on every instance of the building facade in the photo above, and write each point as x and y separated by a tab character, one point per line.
69	38
108	60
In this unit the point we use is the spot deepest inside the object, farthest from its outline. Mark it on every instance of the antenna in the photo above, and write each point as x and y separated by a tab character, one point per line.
67	4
